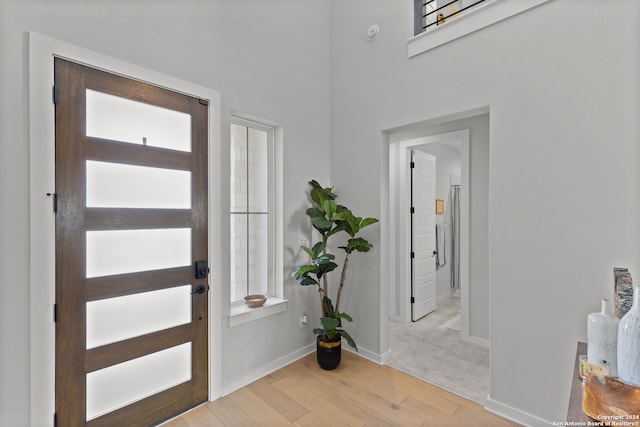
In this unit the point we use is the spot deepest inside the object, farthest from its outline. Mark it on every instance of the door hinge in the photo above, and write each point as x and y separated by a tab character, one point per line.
413	210
55	201
55	313
413	255
55	94
413	300
412	165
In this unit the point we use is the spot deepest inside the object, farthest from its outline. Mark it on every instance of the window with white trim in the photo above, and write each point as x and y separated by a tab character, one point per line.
437	22
432	13
253	242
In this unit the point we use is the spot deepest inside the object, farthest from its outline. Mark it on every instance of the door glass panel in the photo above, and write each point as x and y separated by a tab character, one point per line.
119	385
115	185
127	251
116	319
120	119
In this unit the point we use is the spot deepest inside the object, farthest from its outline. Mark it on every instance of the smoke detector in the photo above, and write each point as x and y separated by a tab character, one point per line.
372	32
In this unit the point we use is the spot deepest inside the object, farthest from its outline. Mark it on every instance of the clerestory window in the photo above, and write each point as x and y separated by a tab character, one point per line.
433	13
437	22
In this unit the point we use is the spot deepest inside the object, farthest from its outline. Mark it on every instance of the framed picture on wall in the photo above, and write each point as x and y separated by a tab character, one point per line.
439	206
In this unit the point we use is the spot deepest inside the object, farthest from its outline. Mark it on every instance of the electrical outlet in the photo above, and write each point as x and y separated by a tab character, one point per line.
302	323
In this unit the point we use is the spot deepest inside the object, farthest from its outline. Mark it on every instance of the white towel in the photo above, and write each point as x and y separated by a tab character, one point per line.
441	249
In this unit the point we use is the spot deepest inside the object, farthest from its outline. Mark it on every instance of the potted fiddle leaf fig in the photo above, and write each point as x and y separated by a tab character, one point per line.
332	221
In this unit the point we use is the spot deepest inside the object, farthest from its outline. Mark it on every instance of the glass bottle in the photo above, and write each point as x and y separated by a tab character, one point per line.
629	343
602	337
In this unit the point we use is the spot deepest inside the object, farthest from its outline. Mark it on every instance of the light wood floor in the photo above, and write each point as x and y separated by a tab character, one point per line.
357	393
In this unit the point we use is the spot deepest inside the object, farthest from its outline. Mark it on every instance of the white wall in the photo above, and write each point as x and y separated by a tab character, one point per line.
561	82
264	59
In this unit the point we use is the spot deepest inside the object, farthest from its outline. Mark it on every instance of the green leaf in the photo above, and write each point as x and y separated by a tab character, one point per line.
317	249
329	323
358	244
307	250
345	316
342	208
354	225
315	213
329	208
303	270
321	224
350	340
326	268
342	214
348	221
306	281
319	194
337	229
319	331
328	306
367	221
324	259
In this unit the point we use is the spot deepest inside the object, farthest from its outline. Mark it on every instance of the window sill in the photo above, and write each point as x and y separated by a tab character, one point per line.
242	314
467	23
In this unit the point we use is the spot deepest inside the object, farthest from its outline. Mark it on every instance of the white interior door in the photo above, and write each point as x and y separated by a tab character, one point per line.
423	234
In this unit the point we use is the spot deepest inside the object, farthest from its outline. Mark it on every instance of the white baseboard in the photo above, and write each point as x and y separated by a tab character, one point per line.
475	341
265	370
379	359
515	415
385	357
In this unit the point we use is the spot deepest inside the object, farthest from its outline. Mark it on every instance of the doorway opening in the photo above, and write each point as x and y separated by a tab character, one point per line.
468	139
400	199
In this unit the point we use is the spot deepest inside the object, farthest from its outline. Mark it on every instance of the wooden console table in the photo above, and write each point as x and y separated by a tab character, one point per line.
574	413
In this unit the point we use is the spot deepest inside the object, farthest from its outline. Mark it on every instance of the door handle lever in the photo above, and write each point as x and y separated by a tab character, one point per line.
199	290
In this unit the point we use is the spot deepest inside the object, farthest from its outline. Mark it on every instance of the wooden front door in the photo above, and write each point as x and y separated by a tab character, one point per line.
131	250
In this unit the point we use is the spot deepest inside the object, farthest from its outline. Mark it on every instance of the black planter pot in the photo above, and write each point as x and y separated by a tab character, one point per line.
328	353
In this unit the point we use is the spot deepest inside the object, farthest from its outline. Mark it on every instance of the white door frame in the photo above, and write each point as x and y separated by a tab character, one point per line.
399	225
42	51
